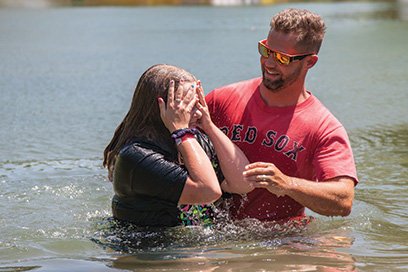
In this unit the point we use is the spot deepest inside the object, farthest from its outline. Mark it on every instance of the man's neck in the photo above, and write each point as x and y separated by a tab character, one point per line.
284	98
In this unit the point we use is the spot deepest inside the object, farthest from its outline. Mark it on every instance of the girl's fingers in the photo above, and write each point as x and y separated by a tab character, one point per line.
170	94
199	106
190	92
201	96
190	97
179	93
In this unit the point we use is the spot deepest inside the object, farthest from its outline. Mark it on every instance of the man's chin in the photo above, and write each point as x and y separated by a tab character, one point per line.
273	86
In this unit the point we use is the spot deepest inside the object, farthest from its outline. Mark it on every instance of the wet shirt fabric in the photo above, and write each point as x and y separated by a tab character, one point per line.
304	141
148	182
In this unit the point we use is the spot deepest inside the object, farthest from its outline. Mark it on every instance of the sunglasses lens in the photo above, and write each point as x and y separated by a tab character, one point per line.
281	58
263	51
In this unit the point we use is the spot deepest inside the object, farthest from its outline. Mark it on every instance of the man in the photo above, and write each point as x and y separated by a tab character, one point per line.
299	152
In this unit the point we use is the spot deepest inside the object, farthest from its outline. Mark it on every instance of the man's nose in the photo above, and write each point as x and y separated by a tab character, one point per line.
270	61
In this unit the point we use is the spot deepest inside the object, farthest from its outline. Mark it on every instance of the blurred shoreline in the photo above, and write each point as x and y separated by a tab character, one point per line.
56	3
88	3
402	5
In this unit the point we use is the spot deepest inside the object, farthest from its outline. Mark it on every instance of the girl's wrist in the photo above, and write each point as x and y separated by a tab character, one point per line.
176	128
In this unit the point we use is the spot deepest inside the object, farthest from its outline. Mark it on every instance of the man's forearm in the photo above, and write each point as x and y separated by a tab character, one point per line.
332	197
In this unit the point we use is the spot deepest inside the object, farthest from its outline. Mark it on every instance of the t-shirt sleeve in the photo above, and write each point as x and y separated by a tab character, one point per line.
333	156
144	171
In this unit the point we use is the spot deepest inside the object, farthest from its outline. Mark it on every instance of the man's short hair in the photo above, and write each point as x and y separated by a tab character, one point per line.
309	27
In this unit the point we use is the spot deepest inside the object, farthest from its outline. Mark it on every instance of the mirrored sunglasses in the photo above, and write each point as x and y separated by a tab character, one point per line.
280	58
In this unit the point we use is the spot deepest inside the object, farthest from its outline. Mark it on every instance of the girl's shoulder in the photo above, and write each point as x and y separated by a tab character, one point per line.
139	149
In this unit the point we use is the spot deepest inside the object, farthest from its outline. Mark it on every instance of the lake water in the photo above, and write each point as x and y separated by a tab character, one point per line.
67	75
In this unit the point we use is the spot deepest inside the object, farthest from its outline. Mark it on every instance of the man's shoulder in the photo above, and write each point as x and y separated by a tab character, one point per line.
320	112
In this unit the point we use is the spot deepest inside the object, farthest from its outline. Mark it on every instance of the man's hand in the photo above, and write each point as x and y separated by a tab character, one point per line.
268	176
331	197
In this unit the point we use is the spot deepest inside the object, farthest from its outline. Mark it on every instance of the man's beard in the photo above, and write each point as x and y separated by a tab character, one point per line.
281	83
273	85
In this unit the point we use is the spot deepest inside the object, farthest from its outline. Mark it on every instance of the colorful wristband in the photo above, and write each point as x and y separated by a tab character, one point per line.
181	132
178	141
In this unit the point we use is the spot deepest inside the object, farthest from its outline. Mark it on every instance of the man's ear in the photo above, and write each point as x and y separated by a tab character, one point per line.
312	61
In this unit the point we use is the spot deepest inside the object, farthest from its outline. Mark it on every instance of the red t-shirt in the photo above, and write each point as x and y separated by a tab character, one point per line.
304	141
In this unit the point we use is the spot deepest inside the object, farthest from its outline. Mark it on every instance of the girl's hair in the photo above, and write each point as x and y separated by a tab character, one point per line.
143	118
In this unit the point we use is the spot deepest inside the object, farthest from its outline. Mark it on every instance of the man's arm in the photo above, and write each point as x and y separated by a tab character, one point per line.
330	197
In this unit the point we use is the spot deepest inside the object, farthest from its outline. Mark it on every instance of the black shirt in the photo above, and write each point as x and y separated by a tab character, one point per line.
148	182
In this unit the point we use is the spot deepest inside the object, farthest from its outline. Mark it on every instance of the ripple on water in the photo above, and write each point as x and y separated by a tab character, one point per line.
28	170
382	163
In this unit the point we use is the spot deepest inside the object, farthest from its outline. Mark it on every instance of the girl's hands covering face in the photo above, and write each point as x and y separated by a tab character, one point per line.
205	120
180	103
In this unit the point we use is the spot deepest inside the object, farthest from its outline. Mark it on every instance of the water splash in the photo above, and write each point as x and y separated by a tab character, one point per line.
126	237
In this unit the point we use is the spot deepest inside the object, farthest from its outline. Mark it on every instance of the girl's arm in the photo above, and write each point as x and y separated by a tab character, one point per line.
202	185
232	159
